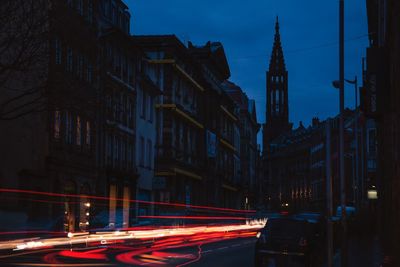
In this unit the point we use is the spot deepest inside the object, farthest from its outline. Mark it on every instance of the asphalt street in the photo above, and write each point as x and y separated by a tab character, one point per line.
235	252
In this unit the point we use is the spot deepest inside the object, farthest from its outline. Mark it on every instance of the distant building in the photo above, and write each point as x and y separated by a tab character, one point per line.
277	113
249	128
149	92
294	160
179	155
222	134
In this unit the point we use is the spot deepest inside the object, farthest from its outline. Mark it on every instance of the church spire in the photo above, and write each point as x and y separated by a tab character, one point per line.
277	26
277	106
277	61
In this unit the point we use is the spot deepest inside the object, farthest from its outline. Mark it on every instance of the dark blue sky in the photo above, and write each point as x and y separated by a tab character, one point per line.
309	34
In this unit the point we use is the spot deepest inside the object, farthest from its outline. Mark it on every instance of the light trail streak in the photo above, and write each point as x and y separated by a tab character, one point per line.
51	194
192	217
195	260
139	235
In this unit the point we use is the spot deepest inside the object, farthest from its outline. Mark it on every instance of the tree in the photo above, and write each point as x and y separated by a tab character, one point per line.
23	57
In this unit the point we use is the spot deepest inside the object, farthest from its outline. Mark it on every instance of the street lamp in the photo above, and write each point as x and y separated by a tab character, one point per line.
336	84
341	135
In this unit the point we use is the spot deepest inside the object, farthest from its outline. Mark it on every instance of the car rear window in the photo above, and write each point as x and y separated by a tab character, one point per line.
286	227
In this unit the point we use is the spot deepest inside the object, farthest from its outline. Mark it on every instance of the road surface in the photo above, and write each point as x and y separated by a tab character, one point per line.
234	252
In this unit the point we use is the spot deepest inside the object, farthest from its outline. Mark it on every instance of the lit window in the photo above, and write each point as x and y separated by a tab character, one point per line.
87	133
57	124
78	130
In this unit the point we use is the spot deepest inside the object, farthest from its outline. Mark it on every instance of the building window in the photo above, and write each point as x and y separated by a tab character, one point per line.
89	72
123	109
149	153
79	68
277	101
90	11
69	59
372	142
114	15
58	51
116	150
129	152
130	76
68	127
79	7
57	124
87	139
130	113
151	107
142	151
143	107
78	130
109	149
123	153
139	101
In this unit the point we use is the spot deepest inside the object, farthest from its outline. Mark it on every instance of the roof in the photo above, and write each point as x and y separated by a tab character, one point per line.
168	40
241	99
212	54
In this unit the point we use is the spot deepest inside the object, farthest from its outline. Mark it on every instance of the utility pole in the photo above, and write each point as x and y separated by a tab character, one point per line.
329	209
362	140
341	135
356	176
356	139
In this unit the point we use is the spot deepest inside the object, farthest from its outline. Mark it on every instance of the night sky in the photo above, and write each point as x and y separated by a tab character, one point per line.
309	35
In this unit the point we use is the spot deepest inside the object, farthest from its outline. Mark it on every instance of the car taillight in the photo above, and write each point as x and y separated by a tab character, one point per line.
303	242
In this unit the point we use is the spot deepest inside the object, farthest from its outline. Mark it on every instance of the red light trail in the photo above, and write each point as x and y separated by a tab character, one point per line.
191	217
128	247
20	191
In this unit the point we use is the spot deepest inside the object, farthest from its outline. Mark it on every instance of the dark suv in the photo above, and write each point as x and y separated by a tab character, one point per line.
287	241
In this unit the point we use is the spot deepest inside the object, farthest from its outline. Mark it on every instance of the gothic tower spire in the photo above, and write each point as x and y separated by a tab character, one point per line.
277	93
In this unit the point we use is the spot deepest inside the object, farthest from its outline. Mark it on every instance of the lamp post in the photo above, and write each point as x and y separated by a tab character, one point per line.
357	177
356	181
341	134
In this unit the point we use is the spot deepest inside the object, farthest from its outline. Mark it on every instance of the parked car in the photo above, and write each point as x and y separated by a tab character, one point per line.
289	241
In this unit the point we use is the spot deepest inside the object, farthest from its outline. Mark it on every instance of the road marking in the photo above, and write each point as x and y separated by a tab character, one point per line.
236	245
207	251
222	248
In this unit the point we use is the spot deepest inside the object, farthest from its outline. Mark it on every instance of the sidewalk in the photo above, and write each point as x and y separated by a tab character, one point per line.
363	252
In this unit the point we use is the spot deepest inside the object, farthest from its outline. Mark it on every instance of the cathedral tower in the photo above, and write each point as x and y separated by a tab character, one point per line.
277	108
